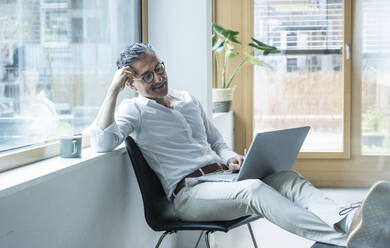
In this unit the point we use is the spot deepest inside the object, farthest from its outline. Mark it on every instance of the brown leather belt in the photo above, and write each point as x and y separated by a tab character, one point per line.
205	169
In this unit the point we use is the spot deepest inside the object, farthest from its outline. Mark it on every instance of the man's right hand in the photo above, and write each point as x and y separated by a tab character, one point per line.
235	163
106	113
121	76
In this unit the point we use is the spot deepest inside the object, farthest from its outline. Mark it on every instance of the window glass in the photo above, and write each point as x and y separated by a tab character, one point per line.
304	84
57	59
375	77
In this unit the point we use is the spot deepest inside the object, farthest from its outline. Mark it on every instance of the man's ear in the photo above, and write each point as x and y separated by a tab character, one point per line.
131	85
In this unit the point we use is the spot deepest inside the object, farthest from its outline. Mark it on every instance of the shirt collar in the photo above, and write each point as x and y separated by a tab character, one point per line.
145	101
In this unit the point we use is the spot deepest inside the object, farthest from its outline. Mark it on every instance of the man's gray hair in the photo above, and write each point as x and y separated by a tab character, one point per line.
132	53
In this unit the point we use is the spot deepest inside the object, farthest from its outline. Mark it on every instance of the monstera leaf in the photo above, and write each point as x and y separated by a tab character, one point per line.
253	60
264	48
218	45
230	53
227	34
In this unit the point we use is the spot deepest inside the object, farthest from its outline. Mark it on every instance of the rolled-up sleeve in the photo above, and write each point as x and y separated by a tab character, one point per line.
214	138
126	120
105	140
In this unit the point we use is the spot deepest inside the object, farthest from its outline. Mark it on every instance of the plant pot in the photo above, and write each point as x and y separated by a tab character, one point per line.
222	99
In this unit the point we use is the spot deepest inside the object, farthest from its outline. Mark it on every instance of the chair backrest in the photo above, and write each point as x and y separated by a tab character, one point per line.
158	209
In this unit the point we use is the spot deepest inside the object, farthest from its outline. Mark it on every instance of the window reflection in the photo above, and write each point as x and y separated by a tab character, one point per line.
57	58
375	78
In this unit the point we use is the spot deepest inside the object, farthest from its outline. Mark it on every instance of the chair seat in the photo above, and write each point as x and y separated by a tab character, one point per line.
224	226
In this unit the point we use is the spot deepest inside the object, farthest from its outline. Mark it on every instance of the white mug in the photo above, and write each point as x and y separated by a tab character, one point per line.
70	146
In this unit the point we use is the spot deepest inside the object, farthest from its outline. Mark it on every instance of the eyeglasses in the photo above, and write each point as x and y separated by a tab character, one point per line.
148	76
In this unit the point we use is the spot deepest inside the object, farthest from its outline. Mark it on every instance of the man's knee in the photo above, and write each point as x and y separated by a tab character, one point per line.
253	186
289	174
283	178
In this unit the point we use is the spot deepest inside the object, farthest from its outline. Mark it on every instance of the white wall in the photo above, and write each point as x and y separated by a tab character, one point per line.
96	205
180	32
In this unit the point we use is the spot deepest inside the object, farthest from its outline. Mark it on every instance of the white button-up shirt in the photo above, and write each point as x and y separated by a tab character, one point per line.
174	142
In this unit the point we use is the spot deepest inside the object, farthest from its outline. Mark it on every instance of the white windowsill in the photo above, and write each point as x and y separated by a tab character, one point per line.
17	179
23	177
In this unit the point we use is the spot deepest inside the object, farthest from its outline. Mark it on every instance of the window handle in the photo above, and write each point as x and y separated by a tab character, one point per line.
347	51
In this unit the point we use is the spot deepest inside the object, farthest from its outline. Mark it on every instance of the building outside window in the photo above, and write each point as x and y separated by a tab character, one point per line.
57	59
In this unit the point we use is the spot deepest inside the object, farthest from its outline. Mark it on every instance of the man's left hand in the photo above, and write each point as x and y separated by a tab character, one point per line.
235	163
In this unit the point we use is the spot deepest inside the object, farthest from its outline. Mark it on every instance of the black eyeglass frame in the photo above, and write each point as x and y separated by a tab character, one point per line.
154	71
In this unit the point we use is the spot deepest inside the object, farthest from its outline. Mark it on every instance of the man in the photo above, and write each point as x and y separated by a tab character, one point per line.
179	141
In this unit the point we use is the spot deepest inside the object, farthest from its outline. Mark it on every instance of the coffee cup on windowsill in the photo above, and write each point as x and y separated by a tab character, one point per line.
70	146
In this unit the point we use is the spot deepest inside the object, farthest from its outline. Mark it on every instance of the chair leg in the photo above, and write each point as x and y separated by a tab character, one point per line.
207	239
197	242
253	236
162	237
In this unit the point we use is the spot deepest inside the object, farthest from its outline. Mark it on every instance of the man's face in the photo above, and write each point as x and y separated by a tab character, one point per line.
146	68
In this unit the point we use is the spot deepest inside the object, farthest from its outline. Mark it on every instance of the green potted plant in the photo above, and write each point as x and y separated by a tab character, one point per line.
223	45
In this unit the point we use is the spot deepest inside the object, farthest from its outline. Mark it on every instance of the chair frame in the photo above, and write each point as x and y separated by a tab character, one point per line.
207	237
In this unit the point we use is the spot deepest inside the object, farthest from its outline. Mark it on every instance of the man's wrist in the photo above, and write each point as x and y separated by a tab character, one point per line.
113	92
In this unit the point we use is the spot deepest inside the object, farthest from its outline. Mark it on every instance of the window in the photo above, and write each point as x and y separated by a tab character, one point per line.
57	58
374	69
310	89
291	40
291	64
358	92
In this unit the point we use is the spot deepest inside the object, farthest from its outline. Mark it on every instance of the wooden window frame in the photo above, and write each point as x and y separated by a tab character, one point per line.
347	168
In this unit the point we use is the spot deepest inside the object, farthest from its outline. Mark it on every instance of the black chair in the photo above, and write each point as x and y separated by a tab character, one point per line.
159	211
324	245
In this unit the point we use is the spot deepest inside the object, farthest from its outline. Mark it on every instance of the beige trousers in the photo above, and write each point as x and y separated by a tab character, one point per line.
285	198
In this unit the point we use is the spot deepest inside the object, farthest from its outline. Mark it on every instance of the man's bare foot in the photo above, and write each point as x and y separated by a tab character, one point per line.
370	227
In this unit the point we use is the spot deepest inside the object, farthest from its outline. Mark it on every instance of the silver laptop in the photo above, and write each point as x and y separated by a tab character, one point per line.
269	152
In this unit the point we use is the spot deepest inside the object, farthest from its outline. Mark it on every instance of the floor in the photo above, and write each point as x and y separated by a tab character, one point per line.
270	236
